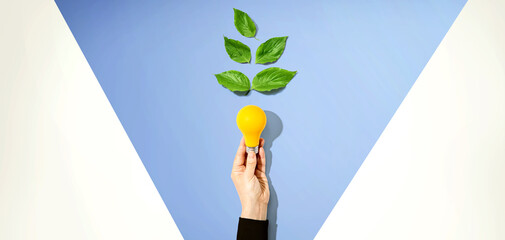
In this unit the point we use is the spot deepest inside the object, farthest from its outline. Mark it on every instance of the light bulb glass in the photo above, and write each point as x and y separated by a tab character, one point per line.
251	121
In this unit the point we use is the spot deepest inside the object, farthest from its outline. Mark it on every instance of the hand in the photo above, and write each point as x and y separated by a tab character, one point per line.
248	175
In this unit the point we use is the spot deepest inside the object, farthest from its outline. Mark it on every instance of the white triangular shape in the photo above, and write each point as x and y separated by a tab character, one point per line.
67	167
437	170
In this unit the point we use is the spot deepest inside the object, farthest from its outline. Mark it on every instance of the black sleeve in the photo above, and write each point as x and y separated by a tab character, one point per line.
249	229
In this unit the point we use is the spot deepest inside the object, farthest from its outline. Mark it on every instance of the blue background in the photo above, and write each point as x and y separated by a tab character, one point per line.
356	61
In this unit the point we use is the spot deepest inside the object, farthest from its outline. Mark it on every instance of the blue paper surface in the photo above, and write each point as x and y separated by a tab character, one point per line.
356	61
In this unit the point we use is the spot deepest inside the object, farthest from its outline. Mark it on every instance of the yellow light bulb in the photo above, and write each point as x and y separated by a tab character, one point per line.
251	121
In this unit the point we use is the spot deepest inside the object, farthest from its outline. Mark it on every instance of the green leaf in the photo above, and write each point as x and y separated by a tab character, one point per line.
237	51
272	78
244	23
233	80
271	50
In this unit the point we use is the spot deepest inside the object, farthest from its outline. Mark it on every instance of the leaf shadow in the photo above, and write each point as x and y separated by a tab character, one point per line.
241	93
274	92
244	63
270	63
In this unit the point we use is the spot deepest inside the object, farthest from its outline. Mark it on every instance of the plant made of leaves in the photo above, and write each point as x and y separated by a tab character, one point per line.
268	52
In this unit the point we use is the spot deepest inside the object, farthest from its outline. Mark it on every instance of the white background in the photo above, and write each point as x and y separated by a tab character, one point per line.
67	168
69	171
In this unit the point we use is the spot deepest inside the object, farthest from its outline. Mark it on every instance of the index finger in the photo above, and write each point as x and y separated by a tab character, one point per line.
240	156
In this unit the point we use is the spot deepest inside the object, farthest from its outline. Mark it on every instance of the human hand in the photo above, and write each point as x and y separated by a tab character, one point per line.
248	175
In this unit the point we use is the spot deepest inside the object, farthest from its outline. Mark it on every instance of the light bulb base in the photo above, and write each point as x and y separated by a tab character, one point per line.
252	149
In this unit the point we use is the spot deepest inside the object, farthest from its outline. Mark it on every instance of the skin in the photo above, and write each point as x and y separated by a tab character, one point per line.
248	175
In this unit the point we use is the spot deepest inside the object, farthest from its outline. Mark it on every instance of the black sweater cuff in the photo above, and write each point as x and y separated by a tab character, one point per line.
249	229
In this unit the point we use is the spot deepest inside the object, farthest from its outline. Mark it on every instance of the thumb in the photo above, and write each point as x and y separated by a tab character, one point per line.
250	166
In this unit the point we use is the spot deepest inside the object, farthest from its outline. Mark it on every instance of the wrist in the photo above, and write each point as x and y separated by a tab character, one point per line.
255	211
